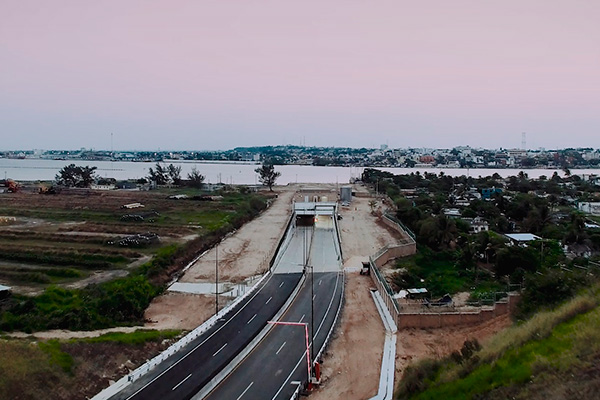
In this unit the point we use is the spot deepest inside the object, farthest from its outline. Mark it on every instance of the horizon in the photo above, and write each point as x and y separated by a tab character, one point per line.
298	146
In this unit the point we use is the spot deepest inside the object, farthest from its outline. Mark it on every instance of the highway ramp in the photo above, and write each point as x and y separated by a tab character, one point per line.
184	373
280	358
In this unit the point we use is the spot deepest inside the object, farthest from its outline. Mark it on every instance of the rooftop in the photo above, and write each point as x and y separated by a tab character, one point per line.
522	237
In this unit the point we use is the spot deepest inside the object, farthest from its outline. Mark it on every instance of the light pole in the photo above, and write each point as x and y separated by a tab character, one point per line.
217	279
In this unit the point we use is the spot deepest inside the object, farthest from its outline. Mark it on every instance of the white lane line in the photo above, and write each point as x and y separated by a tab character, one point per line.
244	392
179	384
314	297
269	300
250	320
303	357
204	341
280	348
303	315
320	281
281	284
220	349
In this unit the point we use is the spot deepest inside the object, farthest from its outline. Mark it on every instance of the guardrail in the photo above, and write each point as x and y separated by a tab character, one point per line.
280	244
384	288
338	244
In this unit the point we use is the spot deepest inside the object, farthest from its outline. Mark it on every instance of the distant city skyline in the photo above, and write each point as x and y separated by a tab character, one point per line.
184	75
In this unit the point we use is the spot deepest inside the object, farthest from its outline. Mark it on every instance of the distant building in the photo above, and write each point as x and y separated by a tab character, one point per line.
487	193
478	225
521	239
590	208
451	212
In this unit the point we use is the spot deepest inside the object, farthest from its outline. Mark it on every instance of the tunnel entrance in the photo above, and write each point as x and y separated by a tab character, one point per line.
305	220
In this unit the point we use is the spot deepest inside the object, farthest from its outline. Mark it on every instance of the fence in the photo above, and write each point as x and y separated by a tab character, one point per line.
383	287
395	223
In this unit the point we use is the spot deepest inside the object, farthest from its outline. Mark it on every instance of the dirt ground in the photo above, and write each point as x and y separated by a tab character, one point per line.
248	251
416	344
172	311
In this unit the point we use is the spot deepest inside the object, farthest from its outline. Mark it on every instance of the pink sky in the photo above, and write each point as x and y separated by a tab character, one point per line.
220	74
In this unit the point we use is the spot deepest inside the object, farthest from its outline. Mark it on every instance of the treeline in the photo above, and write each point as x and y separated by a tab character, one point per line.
451	258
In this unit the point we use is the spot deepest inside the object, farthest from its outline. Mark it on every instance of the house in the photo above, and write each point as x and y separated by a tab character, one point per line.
478	225
521	239
578	250
590	208
451	212
487	193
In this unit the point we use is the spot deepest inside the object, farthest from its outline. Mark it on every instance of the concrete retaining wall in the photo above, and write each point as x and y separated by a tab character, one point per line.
445	319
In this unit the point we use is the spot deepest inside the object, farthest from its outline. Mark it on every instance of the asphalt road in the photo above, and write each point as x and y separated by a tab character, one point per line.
280	358
181	376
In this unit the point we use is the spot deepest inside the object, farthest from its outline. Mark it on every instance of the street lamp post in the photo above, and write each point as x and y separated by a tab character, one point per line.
217	279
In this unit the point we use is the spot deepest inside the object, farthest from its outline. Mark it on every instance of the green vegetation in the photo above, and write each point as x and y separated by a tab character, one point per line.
57	356
122	301
549	343
440	209
43	369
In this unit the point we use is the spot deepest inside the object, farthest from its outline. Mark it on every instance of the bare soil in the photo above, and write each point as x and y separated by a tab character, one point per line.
248	251
179	311
417	344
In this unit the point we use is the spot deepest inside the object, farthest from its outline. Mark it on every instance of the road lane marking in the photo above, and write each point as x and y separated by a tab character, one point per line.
269	300
302	358
244	392
303	315
204	341
281	284
179	384
250	320
280	348
220	349
314	297
320	281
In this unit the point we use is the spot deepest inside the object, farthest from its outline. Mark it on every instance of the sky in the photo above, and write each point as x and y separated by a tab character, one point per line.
215	74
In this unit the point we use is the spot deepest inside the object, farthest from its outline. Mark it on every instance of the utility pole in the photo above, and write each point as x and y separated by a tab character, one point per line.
312	318
217	279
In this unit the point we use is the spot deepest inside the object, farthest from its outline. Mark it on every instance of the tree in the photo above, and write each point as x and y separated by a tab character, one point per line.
174	174
160	176
267	175
195	178
75	176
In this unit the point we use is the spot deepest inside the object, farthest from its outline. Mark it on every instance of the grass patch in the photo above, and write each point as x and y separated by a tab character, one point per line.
438	272
57	356
549	340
